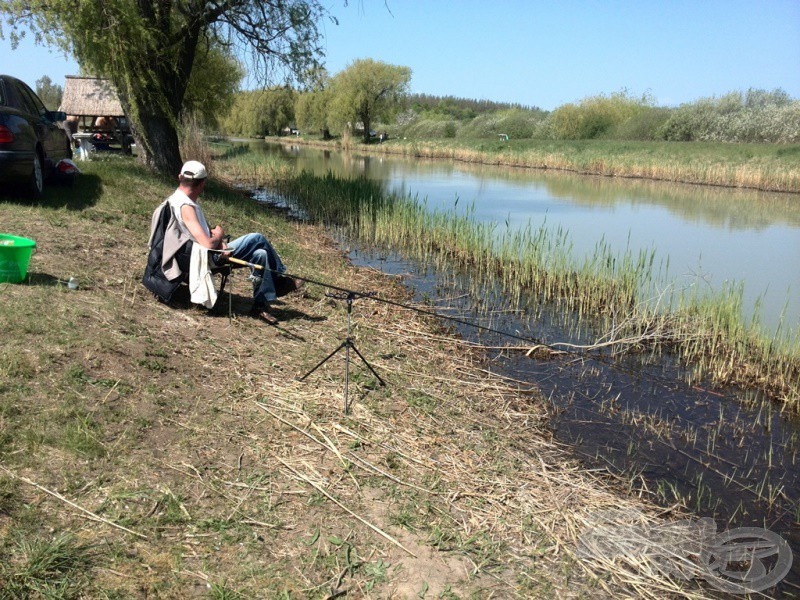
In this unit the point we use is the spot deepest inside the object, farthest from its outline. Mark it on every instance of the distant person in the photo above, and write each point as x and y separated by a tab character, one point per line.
253	247
71	124
105	124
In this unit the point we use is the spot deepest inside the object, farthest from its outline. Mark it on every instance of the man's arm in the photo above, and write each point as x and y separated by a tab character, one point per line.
214	241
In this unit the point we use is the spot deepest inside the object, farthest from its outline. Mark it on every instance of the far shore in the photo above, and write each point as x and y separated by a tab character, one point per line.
763	167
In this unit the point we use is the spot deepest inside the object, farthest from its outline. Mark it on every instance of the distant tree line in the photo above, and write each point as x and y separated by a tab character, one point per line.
458	108
352	102
370	95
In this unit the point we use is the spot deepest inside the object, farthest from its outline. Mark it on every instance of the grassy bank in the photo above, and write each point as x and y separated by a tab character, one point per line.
149	451
769	167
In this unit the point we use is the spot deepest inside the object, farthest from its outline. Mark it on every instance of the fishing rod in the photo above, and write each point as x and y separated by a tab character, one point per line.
393	303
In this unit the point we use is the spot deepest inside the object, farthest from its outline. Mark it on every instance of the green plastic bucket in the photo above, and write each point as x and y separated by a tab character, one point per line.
15	254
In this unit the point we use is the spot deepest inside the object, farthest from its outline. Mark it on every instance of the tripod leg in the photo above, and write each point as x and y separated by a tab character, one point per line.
347	346
324	360
369	366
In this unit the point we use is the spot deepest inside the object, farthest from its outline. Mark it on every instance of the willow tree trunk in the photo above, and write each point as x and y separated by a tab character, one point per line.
366	122
154	132
152	97
157	143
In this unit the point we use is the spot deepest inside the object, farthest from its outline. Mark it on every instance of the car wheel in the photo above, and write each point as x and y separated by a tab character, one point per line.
36	181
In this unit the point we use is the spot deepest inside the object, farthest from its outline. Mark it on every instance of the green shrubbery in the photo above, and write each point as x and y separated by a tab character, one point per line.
426	129
754	116
596	117
643	126
482	126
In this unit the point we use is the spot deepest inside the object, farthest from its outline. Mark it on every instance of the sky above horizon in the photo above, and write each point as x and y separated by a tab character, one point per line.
546	54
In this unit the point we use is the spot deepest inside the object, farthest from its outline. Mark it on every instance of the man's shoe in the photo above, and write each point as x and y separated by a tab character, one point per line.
286	285
262	313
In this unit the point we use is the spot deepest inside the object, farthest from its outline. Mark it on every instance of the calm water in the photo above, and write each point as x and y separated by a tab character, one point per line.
703	238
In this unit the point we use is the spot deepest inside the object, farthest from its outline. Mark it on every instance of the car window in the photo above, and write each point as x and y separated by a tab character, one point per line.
23	101
3	100
32	101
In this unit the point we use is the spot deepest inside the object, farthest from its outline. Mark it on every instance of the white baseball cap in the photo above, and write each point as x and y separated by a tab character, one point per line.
193	170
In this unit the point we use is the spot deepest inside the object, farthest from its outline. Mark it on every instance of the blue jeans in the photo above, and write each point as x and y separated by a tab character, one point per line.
255	248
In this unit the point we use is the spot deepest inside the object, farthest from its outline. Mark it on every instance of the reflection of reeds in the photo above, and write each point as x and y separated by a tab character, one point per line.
534	267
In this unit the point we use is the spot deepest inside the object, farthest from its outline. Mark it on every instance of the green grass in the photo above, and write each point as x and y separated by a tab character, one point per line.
45	568
81	378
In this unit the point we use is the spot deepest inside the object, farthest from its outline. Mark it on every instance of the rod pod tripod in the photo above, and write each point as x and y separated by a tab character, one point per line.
347	345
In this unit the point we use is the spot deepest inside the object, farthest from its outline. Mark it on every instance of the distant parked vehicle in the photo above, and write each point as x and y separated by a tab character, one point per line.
31	141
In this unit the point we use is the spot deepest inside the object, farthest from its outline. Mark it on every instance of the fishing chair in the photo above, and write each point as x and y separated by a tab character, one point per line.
155	279
164	289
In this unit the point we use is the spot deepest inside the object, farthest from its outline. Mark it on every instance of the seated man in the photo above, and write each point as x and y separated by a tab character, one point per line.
253	247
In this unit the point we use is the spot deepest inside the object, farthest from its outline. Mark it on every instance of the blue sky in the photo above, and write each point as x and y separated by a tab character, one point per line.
546	54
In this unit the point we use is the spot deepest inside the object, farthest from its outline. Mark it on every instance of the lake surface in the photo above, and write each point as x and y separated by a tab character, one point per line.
703	237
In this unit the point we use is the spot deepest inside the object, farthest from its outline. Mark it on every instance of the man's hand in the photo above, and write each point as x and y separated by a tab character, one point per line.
216	236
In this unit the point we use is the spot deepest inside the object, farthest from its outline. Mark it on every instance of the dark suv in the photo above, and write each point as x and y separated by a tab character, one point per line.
31	141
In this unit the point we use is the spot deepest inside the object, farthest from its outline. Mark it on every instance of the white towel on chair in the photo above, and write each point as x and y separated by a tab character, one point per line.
201	283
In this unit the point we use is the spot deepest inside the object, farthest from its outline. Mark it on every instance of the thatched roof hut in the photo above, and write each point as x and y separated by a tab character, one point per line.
90	97
92	104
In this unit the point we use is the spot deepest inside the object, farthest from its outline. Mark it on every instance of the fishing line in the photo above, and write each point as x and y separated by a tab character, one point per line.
392	302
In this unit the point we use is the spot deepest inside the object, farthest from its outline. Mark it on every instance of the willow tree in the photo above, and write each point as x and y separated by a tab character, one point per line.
311	105
366	91
148	48
215	79
261	112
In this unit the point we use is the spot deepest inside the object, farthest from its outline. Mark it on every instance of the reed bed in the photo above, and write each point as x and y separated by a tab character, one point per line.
244	168
760	167
534	267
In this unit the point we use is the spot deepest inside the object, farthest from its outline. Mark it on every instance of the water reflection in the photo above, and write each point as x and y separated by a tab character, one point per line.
708	237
